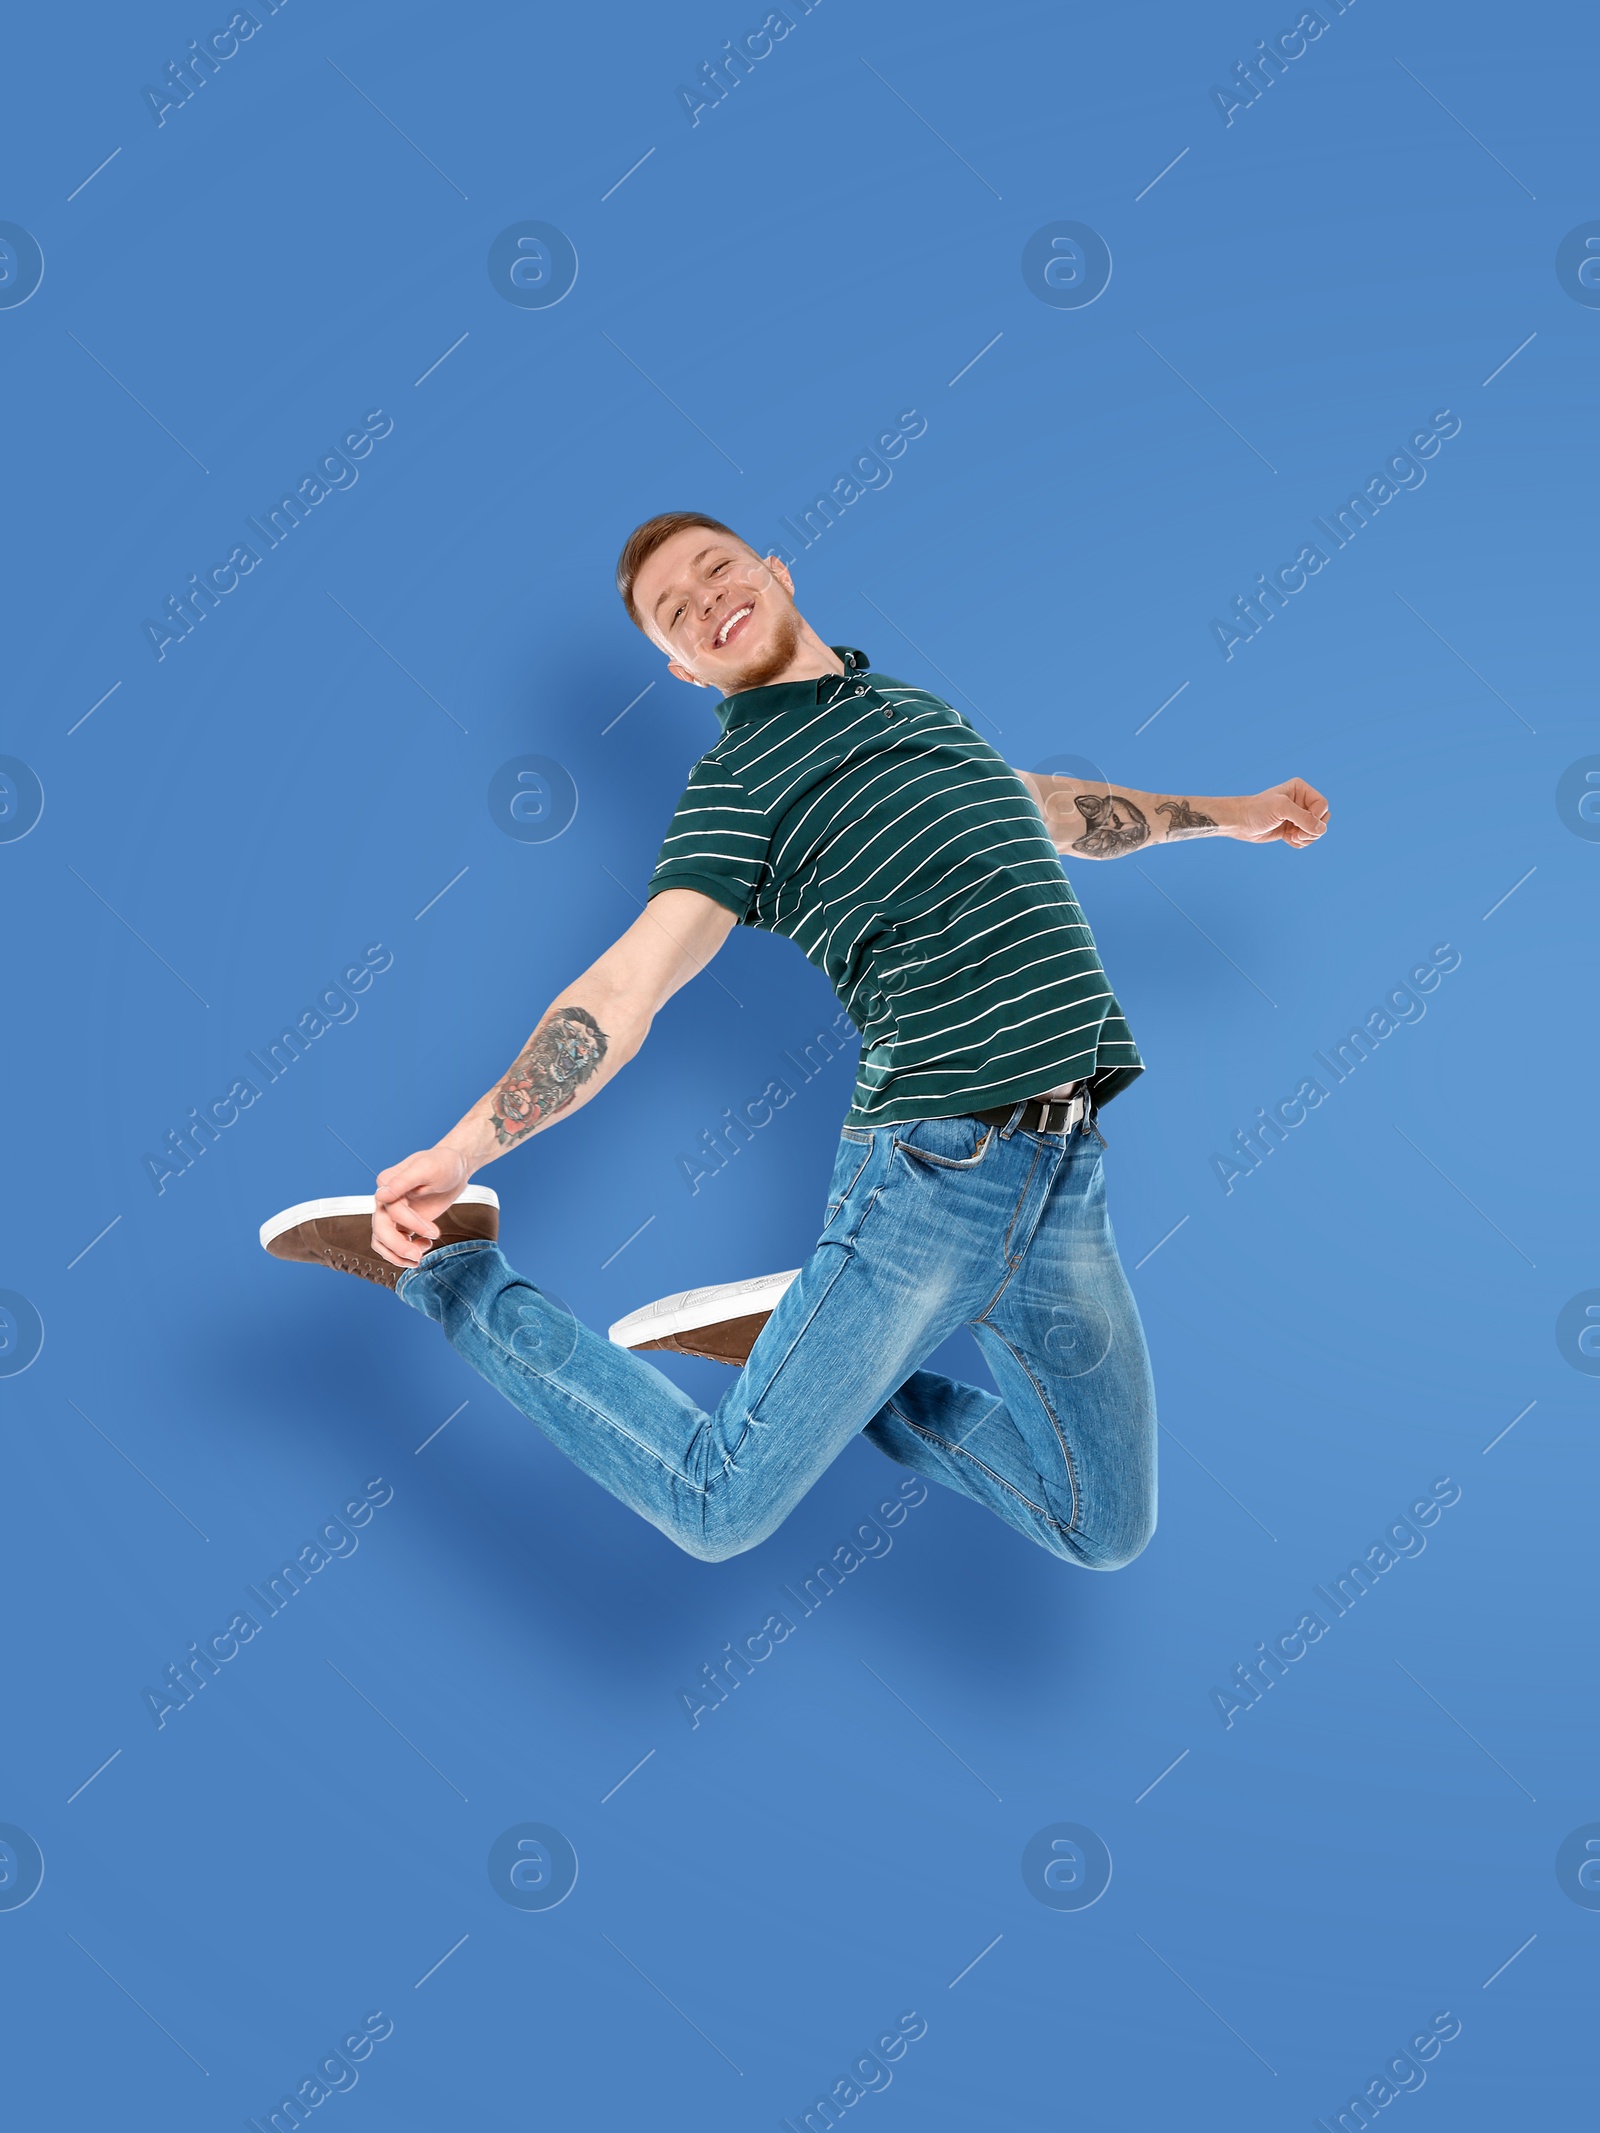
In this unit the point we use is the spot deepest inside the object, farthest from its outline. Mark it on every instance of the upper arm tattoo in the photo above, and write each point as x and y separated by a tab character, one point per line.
1184	820
561	1053
1114	824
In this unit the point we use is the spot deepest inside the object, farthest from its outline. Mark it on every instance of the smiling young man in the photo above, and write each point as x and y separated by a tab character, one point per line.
866	820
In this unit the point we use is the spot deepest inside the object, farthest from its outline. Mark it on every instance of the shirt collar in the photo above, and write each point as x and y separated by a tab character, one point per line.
780	696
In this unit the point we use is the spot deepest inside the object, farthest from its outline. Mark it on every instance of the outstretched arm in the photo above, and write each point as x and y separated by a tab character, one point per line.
591	1029
1102	822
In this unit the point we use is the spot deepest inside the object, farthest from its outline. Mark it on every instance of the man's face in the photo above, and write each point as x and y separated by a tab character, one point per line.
723	616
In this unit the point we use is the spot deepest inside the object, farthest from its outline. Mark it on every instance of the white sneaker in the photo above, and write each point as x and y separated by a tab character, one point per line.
719	1323
338	1233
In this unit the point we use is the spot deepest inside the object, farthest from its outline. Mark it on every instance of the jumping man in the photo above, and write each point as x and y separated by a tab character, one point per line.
870	823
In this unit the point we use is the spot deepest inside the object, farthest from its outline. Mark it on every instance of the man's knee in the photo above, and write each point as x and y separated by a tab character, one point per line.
1119	1548
706	1548
718	1543
1112	1547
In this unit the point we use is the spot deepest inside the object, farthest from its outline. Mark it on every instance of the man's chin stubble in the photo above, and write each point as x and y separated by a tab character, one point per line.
780	651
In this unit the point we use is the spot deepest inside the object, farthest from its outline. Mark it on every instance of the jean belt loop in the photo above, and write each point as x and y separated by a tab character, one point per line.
1010	1125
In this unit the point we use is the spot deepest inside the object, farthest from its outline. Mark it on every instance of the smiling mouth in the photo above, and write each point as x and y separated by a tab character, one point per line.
734	624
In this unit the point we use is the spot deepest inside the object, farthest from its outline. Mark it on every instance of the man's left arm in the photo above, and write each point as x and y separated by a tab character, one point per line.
1103	821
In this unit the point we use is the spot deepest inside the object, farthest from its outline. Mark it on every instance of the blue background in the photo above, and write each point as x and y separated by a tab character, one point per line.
833	244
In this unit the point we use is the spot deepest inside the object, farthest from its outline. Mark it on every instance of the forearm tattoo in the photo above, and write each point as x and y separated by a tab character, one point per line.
1184	820
560	1054
1114	824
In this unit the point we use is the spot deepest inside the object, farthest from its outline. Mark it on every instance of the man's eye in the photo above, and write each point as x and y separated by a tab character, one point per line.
719	566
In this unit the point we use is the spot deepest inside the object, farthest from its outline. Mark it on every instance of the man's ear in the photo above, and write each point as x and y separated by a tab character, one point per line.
682	674
780	570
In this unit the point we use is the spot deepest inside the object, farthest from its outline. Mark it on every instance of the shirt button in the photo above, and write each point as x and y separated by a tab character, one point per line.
859	690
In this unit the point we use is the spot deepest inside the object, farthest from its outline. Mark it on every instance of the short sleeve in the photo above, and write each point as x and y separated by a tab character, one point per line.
717	842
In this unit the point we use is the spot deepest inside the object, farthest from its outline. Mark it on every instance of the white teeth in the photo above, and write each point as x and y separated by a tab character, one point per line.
737	616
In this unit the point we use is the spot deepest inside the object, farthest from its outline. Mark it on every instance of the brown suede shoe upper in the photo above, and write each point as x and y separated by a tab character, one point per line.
730	1340
344	1242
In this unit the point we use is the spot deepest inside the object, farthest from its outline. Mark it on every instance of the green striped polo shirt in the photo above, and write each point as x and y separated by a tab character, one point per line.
872	825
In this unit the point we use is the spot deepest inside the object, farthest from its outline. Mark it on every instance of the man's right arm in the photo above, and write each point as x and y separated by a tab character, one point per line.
590	1030
1091	821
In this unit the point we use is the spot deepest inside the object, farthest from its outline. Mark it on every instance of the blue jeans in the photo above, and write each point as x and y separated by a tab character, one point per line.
931	1225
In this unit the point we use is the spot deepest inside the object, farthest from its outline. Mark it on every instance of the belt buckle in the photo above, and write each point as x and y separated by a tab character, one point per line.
1074	1109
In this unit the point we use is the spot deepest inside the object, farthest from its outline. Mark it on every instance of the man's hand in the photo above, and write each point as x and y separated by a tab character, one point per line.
411	1197
1294	811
